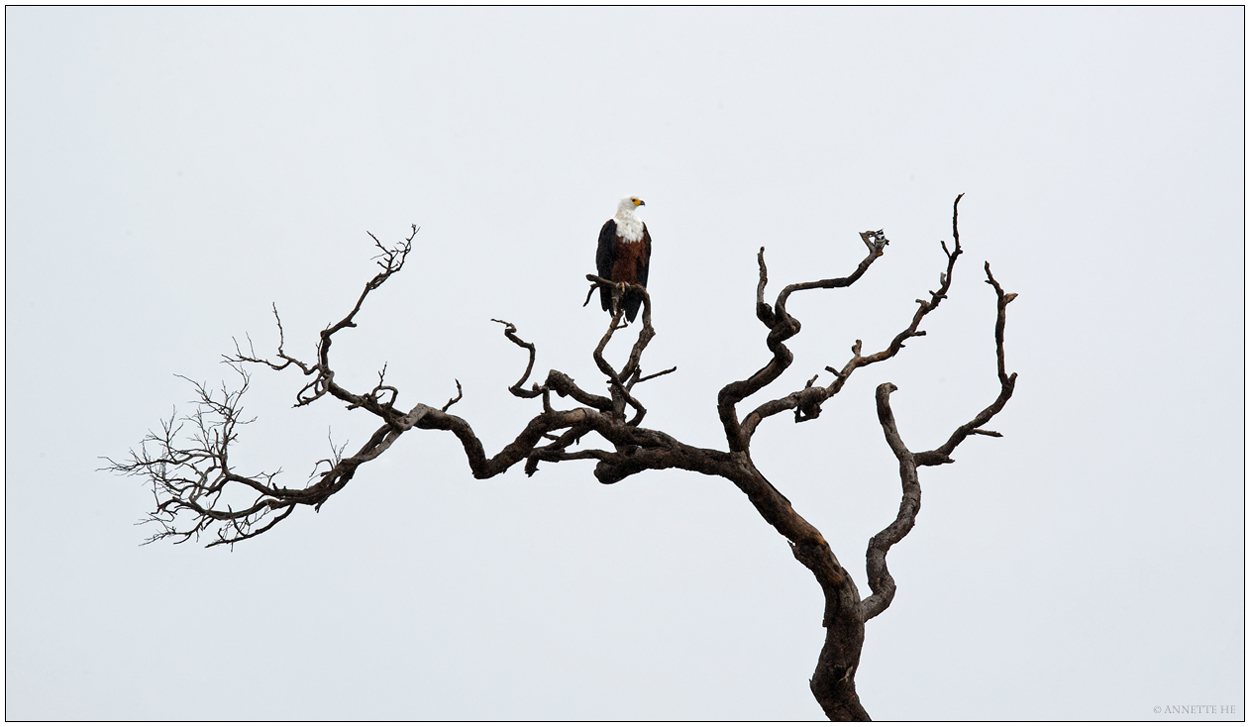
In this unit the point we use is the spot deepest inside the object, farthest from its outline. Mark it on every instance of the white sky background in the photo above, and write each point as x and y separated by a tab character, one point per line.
170	173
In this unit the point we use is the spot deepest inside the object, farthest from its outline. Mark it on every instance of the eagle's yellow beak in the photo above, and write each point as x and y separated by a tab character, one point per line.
638	202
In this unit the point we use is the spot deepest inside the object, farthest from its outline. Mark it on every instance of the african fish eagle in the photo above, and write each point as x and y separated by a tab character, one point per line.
624	254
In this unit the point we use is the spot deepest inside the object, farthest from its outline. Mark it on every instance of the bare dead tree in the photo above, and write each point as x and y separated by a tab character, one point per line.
199	492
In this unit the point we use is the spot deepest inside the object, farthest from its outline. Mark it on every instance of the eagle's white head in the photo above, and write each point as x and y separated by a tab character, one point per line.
628	205
628	225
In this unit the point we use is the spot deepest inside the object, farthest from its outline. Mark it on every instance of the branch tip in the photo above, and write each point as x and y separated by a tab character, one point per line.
459	395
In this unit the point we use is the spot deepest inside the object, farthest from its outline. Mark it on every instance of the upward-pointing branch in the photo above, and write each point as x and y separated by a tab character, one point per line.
879	578
781	327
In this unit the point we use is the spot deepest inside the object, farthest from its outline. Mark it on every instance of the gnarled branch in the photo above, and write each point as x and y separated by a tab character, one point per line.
879	578
198	488
806	402
782	326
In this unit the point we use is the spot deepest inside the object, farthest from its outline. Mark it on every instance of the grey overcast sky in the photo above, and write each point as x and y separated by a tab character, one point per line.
170	173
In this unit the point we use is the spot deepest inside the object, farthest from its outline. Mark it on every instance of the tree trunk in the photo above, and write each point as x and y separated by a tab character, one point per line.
833	683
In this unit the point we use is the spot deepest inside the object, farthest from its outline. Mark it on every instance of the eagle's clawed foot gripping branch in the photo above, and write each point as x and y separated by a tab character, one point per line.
199	489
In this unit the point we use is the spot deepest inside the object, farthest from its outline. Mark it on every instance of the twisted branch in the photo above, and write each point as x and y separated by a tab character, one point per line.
197	488
621	382
191	476
879	578
806	402
782	326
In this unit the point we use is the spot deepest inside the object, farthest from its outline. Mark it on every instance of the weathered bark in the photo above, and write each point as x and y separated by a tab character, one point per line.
189	479
833	682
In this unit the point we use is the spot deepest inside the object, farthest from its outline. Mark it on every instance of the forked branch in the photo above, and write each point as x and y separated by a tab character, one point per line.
620	383
391	261
199	490
781	326
806	402
879	578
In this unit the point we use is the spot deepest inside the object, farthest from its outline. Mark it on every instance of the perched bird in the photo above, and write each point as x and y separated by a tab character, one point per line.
624	254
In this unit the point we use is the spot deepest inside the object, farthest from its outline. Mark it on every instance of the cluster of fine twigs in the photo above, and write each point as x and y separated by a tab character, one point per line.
199	491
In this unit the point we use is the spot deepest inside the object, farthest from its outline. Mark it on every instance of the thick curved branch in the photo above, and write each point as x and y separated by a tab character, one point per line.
197	487
638	449
833	682
563	384
806	402
879	578
782	326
